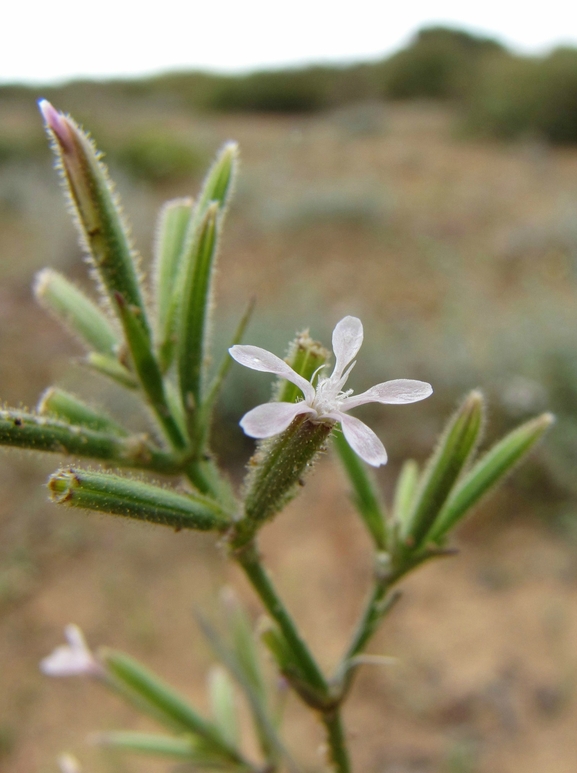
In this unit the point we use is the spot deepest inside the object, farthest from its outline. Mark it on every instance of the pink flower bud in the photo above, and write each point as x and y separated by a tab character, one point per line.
57	123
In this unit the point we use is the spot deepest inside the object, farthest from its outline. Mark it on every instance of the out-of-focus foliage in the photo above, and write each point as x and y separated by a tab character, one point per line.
495	93
157	157
440	63
527	96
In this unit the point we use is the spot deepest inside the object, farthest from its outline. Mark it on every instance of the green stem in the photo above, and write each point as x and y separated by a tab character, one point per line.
249	560
367	624
339	757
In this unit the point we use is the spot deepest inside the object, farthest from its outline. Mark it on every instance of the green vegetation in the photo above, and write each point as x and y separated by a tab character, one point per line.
496	93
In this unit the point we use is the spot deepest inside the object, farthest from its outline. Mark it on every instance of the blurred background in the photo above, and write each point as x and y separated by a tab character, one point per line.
430	190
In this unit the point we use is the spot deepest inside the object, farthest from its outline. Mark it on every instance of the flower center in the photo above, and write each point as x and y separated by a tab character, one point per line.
329	397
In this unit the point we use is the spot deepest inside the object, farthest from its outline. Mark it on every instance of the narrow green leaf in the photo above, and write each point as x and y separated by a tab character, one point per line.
42	433
451	456
148	743
365	496
219	181
244	643
56	402
171	233
112	494
216	190
165	703
229	656
223	702
494	466
112	369
194	314
81	316
405	491
99	215
148	371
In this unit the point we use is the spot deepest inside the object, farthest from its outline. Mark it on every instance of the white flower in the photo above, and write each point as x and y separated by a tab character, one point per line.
72	659
328	402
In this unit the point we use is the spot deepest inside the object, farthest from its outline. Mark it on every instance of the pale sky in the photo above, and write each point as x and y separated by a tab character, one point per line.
43	41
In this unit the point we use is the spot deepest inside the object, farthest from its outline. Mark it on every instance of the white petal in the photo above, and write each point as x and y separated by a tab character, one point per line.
259	359
72	659
271	418
398	391
363	440
347	340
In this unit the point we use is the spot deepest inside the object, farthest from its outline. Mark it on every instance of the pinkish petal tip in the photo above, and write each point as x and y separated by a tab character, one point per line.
56	122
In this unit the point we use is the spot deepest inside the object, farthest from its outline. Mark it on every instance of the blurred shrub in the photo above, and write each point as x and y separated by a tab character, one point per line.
519	96
157	157
440	63
285	91
18	148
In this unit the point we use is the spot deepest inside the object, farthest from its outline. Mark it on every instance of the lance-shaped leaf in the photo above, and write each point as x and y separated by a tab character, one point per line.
490	470
191	751
111	368
151	744
148	371
217	189
108	493
171	234
238	661
42	433
56	402
164	704
75	311
223	704
98	211
451	456
218	183
405	491
365	496
194	313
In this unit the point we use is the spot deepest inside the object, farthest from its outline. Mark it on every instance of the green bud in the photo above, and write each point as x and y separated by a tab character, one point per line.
405	490
305	356
112	369
495	465
108	493
75	311
56	402
451	456
215	194
276	471
98	210
219	181
43	433
194	312
173	222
